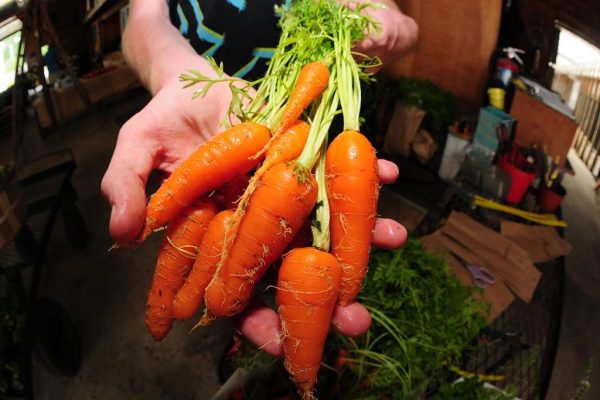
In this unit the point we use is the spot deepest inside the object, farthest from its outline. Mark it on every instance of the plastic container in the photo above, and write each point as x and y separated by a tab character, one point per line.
495	182
477	160
520	180
486	131
550	199
454	154
497	96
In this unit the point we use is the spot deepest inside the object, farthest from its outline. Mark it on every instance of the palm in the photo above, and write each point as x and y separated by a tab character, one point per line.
159	137
176	125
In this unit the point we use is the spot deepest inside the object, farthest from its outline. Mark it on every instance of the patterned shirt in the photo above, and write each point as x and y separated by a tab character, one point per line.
242	34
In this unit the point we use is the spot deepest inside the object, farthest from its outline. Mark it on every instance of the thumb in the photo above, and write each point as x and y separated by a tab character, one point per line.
124	182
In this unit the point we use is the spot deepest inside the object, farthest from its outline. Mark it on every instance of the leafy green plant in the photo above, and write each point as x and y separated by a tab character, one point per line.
586	384
423	319
471	389
442	108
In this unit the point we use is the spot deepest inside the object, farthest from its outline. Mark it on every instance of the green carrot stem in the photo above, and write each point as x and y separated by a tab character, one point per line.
320	229
319	129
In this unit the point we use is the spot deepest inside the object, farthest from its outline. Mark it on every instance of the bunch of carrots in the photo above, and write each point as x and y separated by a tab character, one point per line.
239	203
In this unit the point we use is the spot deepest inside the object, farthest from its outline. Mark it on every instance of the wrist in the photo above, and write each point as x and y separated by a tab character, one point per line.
160	54
165	72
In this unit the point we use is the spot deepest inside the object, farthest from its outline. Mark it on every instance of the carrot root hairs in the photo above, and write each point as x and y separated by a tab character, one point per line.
276	211
214	163
174	262
306	294
353	188
189	298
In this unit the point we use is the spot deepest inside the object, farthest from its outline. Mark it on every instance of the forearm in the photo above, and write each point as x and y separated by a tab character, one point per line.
154	48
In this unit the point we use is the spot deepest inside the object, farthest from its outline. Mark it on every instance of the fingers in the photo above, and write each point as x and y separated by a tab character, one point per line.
351	320
124	182
388	234
388	171
261	325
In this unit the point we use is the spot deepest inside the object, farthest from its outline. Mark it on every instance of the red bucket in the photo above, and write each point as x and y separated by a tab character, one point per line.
520	180
549	199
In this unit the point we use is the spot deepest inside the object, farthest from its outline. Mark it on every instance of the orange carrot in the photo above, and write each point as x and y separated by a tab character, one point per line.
285	147
276	211
288	146
311	82
190	296
214	163
176	256
353	188
306	294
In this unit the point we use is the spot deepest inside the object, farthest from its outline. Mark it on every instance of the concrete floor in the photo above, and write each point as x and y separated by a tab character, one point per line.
579	343
104	292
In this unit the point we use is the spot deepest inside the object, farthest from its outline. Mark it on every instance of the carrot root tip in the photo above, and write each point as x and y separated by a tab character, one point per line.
124	245
205	320
307	395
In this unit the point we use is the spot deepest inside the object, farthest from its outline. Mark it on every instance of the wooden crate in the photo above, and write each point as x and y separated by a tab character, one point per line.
538	123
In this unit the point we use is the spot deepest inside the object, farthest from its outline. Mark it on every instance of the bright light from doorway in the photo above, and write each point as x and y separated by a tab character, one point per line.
575	54
10	36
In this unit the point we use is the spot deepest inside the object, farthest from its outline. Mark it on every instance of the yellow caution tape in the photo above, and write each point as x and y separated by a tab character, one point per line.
467	375
542	219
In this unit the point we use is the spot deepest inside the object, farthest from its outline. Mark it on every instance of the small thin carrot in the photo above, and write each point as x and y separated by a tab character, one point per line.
189	298
286	147
214	163
306	294
353	188
275	213
175	258
311	82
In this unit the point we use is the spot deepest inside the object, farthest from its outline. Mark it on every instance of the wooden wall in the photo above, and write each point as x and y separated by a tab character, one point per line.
456	40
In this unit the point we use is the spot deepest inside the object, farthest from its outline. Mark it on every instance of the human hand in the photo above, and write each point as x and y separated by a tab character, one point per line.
261	324
398	34
159	137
